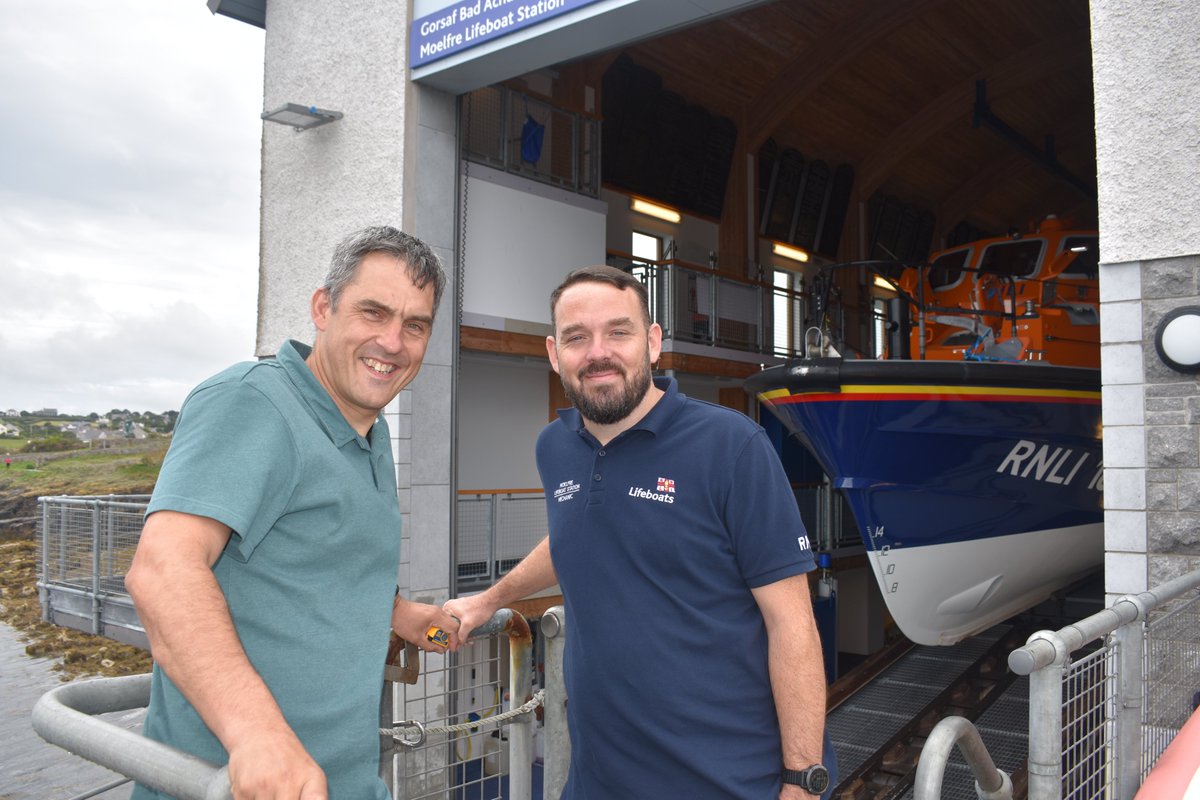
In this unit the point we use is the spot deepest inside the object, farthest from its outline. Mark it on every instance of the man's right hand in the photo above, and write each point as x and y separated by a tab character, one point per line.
275	767
472	612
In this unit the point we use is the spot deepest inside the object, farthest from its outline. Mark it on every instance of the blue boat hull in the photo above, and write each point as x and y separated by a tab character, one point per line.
976	486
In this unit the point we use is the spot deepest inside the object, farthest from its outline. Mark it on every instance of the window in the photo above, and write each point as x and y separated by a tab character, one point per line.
646	247
787	311
879	326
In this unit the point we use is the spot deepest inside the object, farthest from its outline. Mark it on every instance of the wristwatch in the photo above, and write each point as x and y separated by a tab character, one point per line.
814	779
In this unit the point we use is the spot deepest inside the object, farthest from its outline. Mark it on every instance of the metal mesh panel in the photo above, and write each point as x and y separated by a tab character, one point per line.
453	689
1171	676
1089	694
88	543
520	525
475	523
496	531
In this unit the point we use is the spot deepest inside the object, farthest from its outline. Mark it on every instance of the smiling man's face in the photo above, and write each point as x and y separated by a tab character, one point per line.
371	345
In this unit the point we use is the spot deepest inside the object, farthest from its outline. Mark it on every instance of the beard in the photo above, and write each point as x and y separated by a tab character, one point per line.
606	405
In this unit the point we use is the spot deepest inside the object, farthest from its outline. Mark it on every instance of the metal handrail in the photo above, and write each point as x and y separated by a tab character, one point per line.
65	716
990	783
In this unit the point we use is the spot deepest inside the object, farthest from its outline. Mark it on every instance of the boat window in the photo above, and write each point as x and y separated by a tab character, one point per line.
946	270
1016	259
1087	257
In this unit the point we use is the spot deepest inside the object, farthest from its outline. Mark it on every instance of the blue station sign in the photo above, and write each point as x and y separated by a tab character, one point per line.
470	23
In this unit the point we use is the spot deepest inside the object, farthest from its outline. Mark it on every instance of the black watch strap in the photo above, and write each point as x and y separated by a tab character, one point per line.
814	779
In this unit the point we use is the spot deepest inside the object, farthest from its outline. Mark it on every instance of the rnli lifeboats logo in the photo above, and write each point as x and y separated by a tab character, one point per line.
664	491
566	490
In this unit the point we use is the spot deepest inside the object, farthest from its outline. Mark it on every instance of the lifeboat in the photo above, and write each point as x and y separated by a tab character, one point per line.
970	455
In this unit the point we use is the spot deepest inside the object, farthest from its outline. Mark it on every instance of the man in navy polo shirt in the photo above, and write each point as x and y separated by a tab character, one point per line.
693	663
265	574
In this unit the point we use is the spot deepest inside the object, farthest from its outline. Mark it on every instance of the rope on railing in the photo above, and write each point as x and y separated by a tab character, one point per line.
401	732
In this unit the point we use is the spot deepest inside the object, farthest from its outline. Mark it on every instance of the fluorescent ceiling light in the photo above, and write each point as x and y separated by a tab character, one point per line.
884	283
794	253
654	210
300	117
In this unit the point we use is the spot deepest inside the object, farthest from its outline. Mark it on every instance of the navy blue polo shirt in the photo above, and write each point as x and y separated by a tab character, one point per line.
657	539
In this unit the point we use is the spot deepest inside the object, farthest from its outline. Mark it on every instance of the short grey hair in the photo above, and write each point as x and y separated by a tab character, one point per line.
421	263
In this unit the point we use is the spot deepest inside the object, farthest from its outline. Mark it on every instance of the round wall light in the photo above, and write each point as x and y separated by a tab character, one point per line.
1177	339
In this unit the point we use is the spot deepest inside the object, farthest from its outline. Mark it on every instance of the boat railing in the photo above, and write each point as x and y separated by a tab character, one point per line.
1107	695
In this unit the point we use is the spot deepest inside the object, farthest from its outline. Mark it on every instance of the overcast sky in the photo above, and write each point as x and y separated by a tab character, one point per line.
129	164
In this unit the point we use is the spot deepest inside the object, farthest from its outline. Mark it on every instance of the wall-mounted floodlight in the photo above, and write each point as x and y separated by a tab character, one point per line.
1177	339
654	210
300	117
794	253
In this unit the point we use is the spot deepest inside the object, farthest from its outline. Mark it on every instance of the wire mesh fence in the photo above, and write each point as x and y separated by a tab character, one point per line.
86	547
1089	692
1171	676
496	529
467	691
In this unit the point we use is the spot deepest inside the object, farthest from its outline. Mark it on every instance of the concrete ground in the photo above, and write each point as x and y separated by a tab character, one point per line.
31	769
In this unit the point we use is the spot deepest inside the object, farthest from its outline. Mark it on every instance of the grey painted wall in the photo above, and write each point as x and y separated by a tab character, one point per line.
319	185
1145	66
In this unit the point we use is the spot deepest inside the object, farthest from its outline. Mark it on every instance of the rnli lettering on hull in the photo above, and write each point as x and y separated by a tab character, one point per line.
1059	465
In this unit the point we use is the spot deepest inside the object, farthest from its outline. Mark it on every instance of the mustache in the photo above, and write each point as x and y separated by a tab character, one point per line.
601	366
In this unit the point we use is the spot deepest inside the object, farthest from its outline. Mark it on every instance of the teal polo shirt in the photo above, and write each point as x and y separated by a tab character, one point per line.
309	571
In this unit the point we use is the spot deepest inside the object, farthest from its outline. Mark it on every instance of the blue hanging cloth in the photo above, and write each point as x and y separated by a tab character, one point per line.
532	133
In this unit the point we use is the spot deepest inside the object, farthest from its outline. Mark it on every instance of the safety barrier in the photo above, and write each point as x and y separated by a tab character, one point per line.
1107	695
454	755
496	529
87	544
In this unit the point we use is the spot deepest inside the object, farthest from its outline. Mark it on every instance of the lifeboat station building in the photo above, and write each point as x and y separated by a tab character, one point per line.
727	151
519	138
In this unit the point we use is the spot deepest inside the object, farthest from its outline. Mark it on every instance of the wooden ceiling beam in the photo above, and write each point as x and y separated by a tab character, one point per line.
953	106
864	24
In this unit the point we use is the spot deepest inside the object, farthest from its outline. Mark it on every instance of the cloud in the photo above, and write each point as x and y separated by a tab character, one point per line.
129	167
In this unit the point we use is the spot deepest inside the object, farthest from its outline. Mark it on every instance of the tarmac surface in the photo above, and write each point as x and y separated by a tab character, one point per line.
30	768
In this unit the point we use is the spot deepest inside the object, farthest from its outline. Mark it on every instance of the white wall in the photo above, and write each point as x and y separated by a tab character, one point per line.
1144	63
697	237
522	238
502	406
319	185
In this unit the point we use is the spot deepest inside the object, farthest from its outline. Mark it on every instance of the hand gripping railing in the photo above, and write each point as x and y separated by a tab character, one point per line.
990	783
66	717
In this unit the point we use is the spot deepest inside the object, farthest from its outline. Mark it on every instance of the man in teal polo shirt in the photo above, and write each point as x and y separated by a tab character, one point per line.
265	574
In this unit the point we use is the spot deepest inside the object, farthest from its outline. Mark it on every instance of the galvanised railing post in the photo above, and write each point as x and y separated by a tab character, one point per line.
1045	720
1127	750
554	718
96	605
44	579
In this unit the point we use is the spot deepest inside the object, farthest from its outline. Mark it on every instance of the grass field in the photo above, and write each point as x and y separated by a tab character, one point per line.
127	470
77	472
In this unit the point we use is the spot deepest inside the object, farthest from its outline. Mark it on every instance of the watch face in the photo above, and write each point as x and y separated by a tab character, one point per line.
817	778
